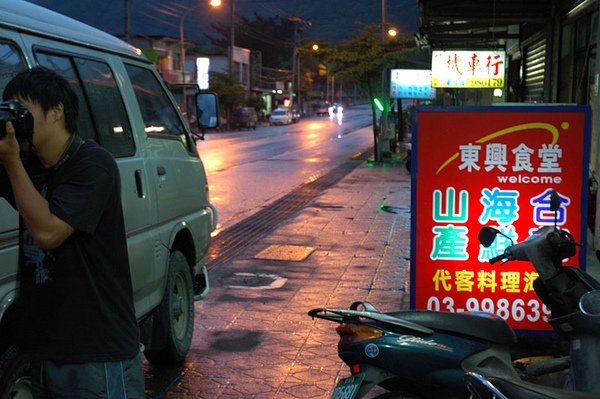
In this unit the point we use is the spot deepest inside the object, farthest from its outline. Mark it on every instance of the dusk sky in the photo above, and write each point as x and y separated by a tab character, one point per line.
331	19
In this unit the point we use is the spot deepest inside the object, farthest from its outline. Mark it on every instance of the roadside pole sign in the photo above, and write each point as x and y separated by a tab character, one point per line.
411	83
492	166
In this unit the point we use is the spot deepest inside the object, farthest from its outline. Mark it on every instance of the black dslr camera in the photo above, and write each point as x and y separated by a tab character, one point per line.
21	118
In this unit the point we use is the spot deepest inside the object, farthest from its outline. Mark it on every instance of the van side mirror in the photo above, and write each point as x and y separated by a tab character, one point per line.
207	107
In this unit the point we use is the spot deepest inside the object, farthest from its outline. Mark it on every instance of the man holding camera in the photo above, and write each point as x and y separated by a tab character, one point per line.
76	318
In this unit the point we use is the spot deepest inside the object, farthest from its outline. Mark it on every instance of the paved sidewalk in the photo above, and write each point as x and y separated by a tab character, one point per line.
257	342
260	343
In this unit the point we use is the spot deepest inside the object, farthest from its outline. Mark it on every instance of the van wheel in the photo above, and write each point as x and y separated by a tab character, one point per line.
174	319
15	375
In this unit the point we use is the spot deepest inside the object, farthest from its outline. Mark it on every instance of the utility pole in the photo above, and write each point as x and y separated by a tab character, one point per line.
332	88
182	45
298	84
295	20
231	33
127	30
383	144
295	63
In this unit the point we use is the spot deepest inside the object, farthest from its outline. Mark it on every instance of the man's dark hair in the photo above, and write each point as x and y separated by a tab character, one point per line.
48	89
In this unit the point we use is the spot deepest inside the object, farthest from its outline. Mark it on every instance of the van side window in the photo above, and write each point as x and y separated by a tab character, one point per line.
11	63
107	107
65	67
160	117
102	114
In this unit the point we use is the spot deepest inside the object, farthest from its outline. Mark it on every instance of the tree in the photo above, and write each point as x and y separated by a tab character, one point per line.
231	92
259	104
364	57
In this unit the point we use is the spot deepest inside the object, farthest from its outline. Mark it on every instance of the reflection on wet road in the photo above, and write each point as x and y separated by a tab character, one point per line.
247	170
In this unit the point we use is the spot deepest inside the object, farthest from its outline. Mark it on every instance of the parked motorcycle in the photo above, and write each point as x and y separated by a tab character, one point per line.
481	387
426	353
492	387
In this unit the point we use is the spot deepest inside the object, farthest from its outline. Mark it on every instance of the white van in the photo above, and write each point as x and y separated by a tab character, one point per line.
126	107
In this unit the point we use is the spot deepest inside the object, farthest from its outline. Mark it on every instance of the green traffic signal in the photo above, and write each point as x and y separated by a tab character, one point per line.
378	104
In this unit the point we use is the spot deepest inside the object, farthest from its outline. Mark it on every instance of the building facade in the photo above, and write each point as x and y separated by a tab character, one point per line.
551	48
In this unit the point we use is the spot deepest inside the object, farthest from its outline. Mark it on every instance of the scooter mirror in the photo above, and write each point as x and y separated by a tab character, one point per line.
487	235
554	201
589	303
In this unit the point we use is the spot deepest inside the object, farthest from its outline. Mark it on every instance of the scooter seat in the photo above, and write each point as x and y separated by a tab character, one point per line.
521	389
482	325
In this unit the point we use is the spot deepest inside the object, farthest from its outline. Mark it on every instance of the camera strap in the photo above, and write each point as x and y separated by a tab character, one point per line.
74	144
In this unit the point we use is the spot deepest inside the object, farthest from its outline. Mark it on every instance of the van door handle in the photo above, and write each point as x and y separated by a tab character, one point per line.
138	183
161	170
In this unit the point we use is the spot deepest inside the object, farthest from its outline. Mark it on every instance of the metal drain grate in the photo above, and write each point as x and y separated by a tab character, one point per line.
230	242
292	253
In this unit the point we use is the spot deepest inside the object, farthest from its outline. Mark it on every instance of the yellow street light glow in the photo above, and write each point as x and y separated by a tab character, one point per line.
392	32
315	47
215	3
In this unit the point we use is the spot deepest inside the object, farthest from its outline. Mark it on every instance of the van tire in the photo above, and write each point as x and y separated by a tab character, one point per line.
174	319
15	374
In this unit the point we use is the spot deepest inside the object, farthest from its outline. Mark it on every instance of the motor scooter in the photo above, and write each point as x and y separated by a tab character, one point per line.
426	353
481	387
492	387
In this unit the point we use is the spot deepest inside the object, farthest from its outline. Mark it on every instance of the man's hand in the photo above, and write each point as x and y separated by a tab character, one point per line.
47	230
9	147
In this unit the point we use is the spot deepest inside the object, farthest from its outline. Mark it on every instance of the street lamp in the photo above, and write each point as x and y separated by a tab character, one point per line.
315	47
217	3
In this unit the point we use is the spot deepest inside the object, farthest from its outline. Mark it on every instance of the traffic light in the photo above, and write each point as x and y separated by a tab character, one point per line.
286	102
293	94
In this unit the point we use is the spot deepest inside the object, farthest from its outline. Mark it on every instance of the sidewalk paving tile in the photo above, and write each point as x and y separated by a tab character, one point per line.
261	343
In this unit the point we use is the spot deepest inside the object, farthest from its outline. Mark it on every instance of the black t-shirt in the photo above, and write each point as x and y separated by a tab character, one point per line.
76	300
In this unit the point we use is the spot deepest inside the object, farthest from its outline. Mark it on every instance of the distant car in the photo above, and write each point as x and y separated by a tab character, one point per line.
280	117
322	109
244	117
295	116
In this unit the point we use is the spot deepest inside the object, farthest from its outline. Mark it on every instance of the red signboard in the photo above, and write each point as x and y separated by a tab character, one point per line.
492	166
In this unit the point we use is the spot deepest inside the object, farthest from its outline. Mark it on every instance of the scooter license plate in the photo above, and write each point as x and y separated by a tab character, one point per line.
347	388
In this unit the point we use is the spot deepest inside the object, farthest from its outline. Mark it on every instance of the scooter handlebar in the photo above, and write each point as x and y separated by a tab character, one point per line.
545	250
497	259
